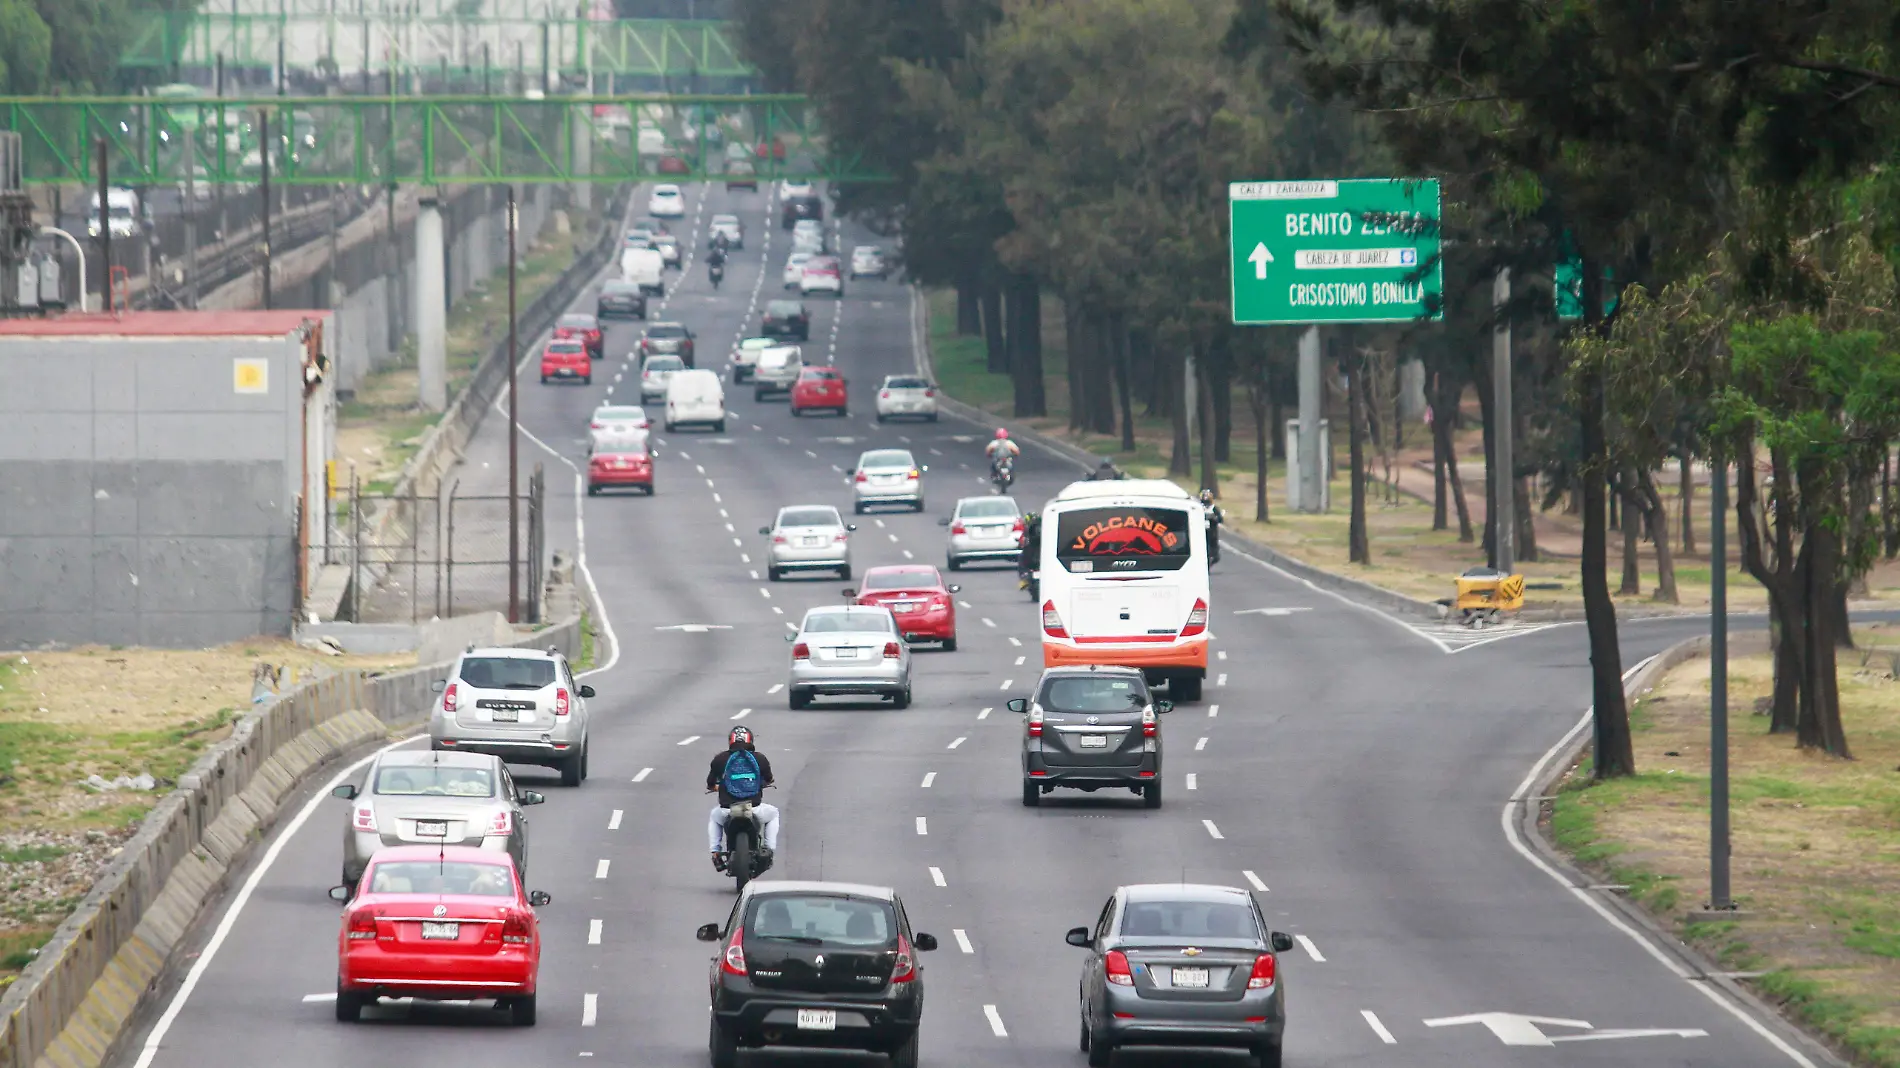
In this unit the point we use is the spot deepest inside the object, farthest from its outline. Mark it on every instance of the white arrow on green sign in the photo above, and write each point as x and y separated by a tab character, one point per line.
1345	251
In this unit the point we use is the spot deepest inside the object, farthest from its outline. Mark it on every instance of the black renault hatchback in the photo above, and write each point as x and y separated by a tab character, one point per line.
819	966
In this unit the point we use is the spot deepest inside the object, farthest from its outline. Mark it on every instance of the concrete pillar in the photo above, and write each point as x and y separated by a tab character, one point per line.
1412	390
432	310
1504	479
583	157
1312	391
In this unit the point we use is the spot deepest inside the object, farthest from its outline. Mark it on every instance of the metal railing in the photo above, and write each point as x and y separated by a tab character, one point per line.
419	556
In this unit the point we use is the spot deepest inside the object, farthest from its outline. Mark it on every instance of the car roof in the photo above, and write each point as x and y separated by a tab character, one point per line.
512	652
961	501
801	507
665	322
1072	670
1126	487
460	854
846	610
1184	892
422	758
868	453
801	886
665	189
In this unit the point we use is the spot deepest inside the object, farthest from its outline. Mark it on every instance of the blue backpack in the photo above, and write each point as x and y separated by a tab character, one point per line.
741	779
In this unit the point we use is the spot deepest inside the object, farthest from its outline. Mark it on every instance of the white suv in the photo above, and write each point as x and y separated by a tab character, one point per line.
521	705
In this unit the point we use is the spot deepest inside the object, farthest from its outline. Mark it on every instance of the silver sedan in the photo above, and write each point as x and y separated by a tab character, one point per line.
984	528
849	650
808	537
414	797
888	476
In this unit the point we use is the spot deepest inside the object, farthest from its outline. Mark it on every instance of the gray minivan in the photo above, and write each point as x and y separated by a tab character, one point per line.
1090	727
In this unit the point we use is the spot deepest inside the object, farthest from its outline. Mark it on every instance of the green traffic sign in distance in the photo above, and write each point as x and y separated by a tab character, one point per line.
1361	250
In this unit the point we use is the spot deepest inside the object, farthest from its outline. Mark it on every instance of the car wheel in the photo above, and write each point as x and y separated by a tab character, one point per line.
1151	794
571	774
544	380
844	413
797	700
349	1004
1082	1043
932	417
951	563
901	699
905	1055
1101	1051
521	1011
1185	688
587	380
858	508
649	489
722	1046
669	428
949	645
586	748
1032	796
719	427
880	417
918	505
797	411
772	574
593	491
758	396
845	572
1268	1053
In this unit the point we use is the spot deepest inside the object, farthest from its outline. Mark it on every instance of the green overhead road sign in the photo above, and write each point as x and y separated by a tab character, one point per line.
1362	250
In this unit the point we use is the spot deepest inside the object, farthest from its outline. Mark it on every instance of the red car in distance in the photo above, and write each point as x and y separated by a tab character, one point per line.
916	597
776	150
438	923
566	358
620	467
673	165
584	327
820	389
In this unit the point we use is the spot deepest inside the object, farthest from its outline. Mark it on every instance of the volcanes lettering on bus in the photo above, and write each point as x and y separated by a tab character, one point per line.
1125	534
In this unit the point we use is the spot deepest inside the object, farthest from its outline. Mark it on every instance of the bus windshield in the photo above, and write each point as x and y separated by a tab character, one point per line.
1122	539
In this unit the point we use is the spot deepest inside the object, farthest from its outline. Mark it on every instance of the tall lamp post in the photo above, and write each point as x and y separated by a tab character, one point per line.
514	428
1720	897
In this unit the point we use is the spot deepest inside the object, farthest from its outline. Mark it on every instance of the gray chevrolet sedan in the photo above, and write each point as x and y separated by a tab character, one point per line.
411	797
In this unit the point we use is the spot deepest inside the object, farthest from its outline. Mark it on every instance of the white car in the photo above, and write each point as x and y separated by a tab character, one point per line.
669	247
795	268
695	397
745	356
906	395
617	426
728	225
809	236
868	260
667	202
790	188
655	372
821	275
888	476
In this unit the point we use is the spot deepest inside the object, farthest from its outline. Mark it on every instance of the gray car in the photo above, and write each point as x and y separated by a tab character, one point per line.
434	798
521	705
1182	965
849	650
808	537
888	476
1091	727
984	528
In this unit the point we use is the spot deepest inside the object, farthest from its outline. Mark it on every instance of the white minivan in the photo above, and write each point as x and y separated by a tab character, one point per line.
646	268
695	396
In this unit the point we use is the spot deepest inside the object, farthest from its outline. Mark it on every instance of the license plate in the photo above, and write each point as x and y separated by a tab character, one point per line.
1095	741
811	541
844	654
445	931
817	1020
904	606
432	828
505	715
1190	977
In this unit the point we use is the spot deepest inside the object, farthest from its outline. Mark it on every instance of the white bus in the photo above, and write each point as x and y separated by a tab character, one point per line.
1124	581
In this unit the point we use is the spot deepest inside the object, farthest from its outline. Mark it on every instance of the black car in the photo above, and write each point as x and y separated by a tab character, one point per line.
672	339
1091	728
796	208
620	300
786	318
819	966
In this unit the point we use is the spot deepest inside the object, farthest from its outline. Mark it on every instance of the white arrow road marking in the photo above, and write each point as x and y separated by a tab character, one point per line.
1254	881
590	1007
963	940
1634	1032
996	1021
1372	1021
1311	949
936	876
1260	257
1510	1028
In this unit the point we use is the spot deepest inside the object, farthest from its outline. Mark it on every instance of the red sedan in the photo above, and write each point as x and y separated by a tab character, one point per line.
583	327
622	467
439	923
566	358
820	389
917	597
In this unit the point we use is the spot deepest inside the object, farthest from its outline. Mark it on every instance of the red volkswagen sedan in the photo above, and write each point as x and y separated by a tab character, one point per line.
820	389
917	597
621	466
566	358
439	923
581	326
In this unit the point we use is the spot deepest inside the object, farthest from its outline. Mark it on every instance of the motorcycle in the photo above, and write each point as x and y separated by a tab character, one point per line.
1029	578
1002	474
718	273
745	833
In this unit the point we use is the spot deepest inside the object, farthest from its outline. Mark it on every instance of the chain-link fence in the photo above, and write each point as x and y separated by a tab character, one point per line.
420	556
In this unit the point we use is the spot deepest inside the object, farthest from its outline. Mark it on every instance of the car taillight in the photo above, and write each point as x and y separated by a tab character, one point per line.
958	528
503	823
914	474
734	961
801	651
1149	726
1019	527
930	392
362	924
1115	962
940	600
778	539
1262	972
448	698
891	651
884	394
1051	622
839	536
515	929
1197	619
595	426
862	477
365	818
906	967
560	701
1035	721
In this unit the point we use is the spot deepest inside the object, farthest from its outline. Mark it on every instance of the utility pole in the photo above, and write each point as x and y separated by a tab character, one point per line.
1504	479
1720	898
1311	386
514	428
105	229
263	128
191	227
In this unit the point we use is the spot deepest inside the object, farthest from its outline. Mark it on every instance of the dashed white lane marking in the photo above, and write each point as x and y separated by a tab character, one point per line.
746	558
742	713
1212	711
1311	949
996	1021
936	876
697	467
613	821
811	454
1201	744
1013	640
730	529
985	714
879	522
1254	881
600	868
929	777
718	500
785	441
1212	830
1372	1021
736	541
1019	660
593	932
956	743
309	998
893	538
1222	681
765	593
988	622
689	740
642	774
776	687
1192	781
922	826
590	1009
1222	654
963	940
754	574
777	610
722	512
963	604
1006	684
908	555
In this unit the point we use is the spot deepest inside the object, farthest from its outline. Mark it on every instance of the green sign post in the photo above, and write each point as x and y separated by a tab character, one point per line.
1347	251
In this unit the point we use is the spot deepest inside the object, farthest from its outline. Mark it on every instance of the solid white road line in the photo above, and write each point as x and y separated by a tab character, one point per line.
593	932
1254	880
600	868
1191	781
963	940
1201	744
1311	949
996	1021
689	740
936	876
1378	1028
956	743
642	775
929	777
613	821
590	1009
922	827
1211	829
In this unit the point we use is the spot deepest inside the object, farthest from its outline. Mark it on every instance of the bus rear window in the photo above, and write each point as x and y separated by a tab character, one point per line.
1122	539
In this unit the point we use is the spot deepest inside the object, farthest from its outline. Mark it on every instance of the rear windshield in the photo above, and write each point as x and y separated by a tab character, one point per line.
725	220
818	920
900	580
566	345
585	322
784	307
808	517
753	344
621	414
887	458
435	782
665	363
619	287
826	374
1113	693
991	508
867	250
440	877
1189	919
840	622
666	330
906	383
1122	539
507	672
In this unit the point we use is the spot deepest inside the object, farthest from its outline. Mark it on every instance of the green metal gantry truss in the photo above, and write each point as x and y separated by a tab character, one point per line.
441	140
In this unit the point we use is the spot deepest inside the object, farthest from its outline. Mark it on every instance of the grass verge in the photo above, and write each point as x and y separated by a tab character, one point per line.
586	660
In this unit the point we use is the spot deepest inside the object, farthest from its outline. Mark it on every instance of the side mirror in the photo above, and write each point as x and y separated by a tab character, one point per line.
339	893
346	792
538	898
924	943
708	933
852	527
1017	704
1281	942
944	522
765	530
586	691
532	797
956	589
439	685
1079	937
791	637
1164	705
925	468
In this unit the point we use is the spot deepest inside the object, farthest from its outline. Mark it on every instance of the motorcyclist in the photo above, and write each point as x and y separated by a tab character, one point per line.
1215	517
1108	472
1031	542
717	257
1000	448
740	737
720	244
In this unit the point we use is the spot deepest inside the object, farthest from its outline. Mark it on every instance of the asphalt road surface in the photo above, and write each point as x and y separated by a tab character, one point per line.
1351	769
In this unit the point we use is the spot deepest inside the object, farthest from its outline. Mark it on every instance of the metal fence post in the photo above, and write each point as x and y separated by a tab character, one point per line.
415	553
356	547
449	565
441	549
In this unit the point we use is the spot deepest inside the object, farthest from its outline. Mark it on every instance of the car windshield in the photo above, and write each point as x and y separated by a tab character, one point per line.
1093	693
507	672
435	781
579	322
667	240
906	383
808	517
571	348
841	621
621	413
666	330
887	458
1189	919
725	220
665	363
666	190
821	375
812	919
440	877
988	508
925	578
784	307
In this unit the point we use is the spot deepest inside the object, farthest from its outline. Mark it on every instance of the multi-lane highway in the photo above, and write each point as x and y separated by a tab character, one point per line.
1349	768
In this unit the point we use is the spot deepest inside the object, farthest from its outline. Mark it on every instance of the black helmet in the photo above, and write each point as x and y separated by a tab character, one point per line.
739	735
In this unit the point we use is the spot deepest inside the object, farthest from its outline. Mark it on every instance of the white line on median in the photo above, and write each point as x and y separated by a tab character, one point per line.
590	1009
922	827
963	940
1211	829
996	1021
689	740
936	876
642	774
613	821
1311	949
593	932
1372	1021
1254	881
600	868
929	777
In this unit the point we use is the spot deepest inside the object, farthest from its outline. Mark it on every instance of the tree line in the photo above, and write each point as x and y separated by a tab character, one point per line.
72	46
1718	177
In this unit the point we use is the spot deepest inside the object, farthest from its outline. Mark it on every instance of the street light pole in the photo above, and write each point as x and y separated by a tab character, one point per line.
514	428
1720	897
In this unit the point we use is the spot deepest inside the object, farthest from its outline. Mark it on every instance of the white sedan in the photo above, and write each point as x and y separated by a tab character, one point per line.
667	202
906	395
795	269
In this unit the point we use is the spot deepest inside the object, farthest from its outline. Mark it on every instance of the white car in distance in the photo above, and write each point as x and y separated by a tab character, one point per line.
795	268
667	202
